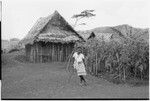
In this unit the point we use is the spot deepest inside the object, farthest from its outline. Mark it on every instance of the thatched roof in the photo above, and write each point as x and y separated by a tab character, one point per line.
53	28
101	33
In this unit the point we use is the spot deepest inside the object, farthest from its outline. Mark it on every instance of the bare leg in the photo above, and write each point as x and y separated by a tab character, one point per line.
82	79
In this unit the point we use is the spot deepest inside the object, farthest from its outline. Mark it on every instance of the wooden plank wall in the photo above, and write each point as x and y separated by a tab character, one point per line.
49	52
28	51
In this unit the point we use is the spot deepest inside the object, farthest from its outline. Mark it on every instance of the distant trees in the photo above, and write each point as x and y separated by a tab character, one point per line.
83	14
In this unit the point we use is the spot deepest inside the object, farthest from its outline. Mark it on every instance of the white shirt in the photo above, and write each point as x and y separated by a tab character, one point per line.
78	57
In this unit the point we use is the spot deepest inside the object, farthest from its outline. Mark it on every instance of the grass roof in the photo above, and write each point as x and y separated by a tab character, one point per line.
53	28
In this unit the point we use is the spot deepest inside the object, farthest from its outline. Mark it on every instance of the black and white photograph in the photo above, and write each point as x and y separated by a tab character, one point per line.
74	49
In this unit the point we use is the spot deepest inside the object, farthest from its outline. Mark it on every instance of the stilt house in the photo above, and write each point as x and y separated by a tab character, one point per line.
50	39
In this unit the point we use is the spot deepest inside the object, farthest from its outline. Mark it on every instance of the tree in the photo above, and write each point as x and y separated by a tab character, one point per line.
83	14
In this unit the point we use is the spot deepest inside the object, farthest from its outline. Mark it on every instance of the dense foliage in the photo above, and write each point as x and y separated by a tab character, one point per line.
121	61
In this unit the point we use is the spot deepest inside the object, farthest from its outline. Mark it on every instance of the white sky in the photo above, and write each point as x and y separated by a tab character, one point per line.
0	10
18	16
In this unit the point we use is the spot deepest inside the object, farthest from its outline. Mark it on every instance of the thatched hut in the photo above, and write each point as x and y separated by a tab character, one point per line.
50	39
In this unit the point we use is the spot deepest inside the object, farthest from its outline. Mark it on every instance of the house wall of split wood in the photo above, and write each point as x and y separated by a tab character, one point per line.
41	52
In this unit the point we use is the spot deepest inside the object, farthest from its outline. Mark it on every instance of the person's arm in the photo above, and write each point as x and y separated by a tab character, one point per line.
84	61
73	57
83	58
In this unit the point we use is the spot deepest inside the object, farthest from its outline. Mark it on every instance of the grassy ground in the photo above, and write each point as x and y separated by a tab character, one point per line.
49	80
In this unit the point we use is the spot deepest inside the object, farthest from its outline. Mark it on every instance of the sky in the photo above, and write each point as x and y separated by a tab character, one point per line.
0	10
18	16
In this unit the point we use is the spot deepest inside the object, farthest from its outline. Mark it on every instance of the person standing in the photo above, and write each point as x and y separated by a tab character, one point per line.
79	65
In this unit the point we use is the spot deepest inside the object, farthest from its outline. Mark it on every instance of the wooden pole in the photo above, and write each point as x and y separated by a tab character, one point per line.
34	52
52	52
63	52
96	64
68	51
42	54
49	52
65	46
37	54
60	52
30	54
40	49
57	52
45	55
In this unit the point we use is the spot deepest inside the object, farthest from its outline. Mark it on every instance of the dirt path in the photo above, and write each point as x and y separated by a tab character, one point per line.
50	81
